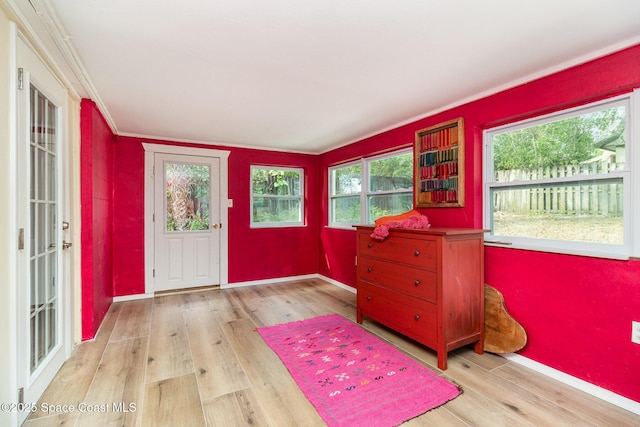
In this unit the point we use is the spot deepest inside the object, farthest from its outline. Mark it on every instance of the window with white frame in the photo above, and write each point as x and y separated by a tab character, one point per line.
364	190
277	196
563	182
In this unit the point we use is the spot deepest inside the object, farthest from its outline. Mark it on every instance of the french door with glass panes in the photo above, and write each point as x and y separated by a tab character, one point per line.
43	294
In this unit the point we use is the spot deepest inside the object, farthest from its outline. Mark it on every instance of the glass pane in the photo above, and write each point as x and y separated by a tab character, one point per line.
41	125
32	223
585	212
52	116
389	204
277	209
52	321
187	188
33	349
391	173
41	175
588	144
33	278
51	172
33	114
41	334
346	180
51	279
32	181
346	210
43	231
52	226
40	282
275	182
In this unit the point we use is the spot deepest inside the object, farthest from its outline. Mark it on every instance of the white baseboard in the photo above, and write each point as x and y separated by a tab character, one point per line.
336	283
132	297
594	390
269	281
289	279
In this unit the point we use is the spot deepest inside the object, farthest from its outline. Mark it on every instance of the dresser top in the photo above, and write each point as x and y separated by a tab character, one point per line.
438	231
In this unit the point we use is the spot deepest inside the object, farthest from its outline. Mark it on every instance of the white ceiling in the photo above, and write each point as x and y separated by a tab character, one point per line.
312	75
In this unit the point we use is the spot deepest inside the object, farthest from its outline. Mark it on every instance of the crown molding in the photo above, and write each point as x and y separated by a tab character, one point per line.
41	26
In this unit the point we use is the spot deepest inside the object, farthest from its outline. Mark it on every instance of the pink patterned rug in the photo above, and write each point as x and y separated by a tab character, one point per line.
352	377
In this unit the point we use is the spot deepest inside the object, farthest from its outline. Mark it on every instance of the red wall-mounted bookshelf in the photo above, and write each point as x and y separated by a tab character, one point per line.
439	165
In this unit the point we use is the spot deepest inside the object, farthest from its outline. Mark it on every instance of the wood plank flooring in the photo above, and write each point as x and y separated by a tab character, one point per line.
195	359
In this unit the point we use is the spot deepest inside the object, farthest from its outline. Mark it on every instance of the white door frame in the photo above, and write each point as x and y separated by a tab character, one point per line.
187	258
150	151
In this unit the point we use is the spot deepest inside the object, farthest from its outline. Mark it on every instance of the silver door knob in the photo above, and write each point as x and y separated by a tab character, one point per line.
66	245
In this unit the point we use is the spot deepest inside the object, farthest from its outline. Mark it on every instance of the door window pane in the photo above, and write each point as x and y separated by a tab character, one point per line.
52	176
187	188
52	117
51	321
41	230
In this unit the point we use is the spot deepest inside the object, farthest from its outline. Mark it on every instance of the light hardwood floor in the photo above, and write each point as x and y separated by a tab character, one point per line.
195	359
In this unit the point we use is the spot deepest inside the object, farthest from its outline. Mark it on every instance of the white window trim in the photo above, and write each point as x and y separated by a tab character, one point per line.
634	155
364	192
301	223
631	188
363	206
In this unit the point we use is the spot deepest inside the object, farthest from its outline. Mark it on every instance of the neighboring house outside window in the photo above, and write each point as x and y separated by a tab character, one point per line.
364	190
277	196
563	182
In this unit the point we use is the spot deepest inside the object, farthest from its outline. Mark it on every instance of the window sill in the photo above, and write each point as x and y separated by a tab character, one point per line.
341	227
258	227
593	253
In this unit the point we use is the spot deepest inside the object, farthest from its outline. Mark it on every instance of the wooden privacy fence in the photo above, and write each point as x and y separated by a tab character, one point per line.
576	198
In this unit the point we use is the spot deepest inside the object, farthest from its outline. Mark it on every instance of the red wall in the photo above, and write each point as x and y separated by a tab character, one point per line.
265	253
577	310
128	211
96	175
254	254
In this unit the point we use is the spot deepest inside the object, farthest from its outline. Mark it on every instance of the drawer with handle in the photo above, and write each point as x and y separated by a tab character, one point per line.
403	313
417	282
418	252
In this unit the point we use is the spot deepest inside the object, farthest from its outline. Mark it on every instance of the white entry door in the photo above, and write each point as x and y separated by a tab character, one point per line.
43	288
187	221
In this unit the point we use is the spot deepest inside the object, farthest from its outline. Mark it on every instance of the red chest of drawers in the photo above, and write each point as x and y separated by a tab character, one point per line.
425	284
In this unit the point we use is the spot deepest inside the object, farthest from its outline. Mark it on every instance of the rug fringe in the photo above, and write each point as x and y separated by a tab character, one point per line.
460	389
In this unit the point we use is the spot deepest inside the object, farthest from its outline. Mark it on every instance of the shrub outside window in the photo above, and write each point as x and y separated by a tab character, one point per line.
277	196
562	182
387	189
